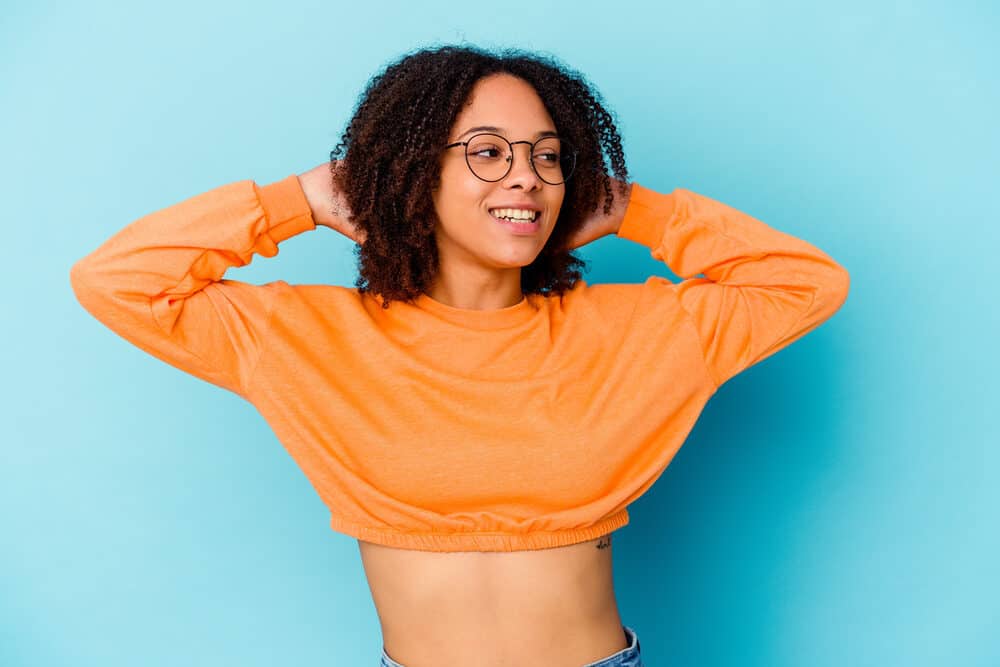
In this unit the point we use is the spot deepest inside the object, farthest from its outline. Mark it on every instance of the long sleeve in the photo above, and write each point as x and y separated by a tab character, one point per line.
763	289
159	282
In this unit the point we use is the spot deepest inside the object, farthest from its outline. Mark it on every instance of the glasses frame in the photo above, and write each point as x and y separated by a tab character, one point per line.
510	161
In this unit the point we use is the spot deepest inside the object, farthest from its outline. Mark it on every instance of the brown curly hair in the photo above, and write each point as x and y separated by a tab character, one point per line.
391	167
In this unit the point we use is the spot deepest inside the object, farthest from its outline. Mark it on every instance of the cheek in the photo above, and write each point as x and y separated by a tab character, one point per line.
454	205
555	205
458	189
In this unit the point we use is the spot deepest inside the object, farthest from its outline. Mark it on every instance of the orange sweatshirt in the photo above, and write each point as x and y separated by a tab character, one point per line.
425	426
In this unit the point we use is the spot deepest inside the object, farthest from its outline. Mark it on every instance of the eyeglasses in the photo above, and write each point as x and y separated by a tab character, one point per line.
491	156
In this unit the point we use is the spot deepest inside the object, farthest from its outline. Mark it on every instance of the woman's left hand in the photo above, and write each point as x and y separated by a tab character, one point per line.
597	224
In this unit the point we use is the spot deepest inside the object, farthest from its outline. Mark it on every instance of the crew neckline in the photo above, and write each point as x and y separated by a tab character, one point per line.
495	318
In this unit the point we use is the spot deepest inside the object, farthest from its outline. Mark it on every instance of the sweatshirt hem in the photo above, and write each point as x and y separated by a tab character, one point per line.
479	541
647	215
286	208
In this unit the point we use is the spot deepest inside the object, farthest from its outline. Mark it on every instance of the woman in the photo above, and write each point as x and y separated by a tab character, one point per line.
473	412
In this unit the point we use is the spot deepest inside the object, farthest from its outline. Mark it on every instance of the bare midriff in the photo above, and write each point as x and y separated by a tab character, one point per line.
544	607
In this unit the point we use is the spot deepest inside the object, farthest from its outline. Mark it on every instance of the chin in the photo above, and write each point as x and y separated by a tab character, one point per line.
515	262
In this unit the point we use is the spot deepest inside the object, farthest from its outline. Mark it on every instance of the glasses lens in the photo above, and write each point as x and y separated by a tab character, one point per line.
554	159
489	158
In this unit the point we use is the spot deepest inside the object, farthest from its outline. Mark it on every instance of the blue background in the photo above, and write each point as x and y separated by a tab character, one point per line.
836	504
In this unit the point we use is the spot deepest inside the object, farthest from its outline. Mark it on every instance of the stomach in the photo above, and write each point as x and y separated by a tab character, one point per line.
552	607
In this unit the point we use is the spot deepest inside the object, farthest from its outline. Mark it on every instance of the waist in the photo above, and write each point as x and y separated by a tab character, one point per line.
549	606
533	641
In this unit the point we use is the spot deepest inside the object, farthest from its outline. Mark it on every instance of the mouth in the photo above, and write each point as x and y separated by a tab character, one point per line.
508	219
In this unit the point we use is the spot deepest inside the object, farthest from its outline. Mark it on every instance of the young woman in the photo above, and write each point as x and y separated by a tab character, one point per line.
472	411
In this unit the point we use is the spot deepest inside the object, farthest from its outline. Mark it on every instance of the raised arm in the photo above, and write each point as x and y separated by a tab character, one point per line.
159	282
763	289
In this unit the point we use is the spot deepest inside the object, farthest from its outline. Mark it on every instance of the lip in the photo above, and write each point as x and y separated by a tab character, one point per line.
519	228
528	205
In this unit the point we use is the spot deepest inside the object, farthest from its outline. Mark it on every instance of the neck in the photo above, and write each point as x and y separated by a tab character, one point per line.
498	290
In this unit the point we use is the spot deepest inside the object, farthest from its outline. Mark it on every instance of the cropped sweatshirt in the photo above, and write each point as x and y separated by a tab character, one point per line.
426	426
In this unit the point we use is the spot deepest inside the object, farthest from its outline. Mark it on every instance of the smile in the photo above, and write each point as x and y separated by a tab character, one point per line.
516	214
518	226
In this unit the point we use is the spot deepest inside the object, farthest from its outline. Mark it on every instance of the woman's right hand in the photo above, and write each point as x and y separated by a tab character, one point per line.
329	207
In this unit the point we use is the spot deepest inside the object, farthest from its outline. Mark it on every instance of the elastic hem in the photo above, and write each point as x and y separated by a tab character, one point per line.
479	541
648	214
286	208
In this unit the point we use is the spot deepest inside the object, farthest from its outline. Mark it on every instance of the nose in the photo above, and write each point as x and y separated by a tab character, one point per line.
521	171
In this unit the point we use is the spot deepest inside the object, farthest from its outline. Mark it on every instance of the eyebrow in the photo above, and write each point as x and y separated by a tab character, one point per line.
490	128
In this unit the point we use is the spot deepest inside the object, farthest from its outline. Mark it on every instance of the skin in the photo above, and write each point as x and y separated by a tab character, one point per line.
552	607
481	260
544	607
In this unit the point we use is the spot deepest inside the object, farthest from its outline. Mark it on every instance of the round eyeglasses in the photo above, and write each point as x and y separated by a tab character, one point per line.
491	156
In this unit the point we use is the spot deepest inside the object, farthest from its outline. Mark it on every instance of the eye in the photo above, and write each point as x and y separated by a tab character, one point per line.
480	152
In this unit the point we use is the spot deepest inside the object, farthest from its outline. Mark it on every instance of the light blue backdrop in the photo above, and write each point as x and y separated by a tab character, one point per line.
835	505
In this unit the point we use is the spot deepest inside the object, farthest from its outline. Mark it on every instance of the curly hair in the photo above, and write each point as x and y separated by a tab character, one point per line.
390	168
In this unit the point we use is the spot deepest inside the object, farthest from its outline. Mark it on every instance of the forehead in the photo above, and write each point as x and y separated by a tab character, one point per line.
505	102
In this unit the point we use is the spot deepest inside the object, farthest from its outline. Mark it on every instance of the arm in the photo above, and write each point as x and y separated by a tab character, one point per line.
328	203
763	289
159	282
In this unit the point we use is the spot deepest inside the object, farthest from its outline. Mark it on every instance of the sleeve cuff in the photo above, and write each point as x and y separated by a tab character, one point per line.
647	215
286	208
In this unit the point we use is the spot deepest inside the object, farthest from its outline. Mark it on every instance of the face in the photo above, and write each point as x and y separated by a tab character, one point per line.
468	236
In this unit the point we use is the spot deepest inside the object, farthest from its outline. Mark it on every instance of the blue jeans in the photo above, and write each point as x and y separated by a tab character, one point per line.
627	657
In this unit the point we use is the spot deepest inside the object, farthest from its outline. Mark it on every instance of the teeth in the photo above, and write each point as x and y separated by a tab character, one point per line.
514	213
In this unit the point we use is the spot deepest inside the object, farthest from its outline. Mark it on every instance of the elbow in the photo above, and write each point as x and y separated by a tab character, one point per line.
843	284
833	294
78	276
83	282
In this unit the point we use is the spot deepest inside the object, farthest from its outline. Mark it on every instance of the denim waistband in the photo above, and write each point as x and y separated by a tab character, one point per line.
627	657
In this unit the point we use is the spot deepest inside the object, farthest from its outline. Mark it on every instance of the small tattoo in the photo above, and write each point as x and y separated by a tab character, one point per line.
604	542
